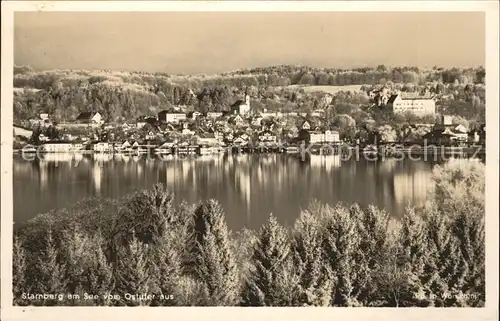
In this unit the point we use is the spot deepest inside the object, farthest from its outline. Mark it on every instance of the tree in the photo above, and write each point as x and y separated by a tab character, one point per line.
167	270
345	124
480	75
457	120
315	282
340	241
19	268
387	134
372	228
271	281
460	186
446	257
307	79
73	246
410	77
215	263
98	274
469	228
381	68
460	191
133	272
146	214
50	272
415	259
397	76
322	78
391	278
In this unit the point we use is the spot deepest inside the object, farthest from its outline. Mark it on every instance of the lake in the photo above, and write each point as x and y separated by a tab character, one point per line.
249	187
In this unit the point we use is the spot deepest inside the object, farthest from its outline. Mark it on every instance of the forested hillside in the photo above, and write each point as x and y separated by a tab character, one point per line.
123	96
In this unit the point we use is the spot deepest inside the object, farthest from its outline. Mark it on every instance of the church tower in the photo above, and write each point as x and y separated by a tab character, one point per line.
247	100
247	97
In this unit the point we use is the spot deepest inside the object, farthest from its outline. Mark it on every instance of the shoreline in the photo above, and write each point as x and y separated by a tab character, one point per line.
290	150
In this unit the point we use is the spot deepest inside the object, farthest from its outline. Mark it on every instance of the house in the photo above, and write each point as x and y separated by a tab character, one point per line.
193	115
478	135
43	120
418	105
167	144
321	137
316	137
241	107
88	117
219	136
207	139
44	117
229	136
186	129
68	137
380	96
43	138
444	135
326	100
267	137
241	140
266	114
293	132
150	135
102	147
318	113
165	116
305	125
214	114
257	121
238	120
125	146
447	120
142	121
457	131
331	136
57	147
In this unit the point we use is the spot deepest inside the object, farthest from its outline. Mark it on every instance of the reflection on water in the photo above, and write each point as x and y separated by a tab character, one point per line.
248	186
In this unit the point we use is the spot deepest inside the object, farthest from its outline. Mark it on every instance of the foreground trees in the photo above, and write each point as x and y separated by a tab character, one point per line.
333	256
215	263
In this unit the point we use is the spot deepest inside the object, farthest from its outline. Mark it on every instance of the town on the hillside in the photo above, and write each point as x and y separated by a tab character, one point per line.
183	130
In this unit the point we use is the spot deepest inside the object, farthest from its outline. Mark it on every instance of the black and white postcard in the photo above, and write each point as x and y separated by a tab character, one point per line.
316	156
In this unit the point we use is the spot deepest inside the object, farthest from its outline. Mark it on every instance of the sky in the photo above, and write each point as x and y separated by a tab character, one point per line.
214	42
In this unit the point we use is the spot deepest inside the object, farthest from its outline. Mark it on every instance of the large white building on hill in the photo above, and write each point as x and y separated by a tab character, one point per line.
420	106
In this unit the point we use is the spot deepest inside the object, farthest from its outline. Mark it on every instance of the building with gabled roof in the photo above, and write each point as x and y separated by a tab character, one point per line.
89	117
418	105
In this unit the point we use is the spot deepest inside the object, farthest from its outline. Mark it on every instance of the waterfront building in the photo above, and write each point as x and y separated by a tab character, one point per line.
328	136
208	139
60	147
102	147
267	137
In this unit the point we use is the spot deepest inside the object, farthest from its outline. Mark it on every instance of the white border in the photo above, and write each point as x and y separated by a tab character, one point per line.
490	312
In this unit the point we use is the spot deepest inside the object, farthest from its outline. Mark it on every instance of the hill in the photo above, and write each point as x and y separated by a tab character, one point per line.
121	96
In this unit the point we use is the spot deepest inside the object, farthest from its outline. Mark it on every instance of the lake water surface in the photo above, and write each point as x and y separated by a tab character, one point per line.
249	187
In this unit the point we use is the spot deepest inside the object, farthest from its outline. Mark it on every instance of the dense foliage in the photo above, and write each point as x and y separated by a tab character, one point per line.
333	256
124	96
